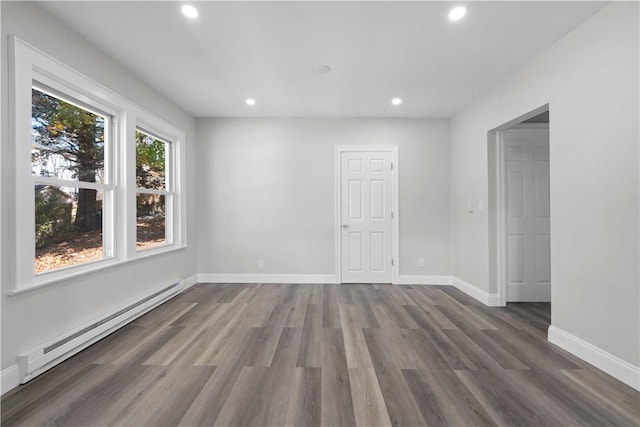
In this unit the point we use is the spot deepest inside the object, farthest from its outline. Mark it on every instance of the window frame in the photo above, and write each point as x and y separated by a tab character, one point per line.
170	187
108	187
32	68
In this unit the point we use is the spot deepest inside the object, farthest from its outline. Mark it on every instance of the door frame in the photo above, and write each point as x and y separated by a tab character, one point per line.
497	201
501	245
395	229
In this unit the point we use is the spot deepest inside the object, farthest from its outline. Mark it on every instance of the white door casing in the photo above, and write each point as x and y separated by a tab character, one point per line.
365	204
526	213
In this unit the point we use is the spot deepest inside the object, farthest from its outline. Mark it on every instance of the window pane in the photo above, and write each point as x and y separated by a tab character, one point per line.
68	226
150	161
67	141
151	217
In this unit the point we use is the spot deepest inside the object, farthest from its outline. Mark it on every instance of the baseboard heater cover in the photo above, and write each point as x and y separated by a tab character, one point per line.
46	356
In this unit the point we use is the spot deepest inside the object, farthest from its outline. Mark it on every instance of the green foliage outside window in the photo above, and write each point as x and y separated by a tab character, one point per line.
53	214
150	162
68	143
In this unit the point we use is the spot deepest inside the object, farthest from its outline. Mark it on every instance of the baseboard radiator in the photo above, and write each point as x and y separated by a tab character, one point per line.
46	356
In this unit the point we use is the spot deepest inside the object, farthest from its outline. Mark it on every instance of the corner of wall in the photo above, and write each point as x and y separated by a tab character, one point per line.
189	282
489	299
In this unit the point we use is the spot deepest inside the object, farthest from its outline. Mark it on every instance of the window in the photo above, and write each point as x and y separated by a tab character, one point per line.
70	184
98	180
153	193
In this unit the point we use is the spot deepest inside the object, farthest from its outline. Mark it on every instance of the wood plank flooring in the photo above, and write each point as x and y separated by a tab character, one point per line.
326	355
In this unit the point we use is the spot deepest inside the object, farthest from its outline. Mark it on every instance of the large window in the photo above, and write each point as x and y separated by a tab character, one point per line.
98	180
71	188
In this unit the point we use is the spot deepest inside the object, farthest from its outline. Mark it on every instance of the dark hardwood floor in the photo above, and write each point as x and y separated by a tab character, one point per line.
326	355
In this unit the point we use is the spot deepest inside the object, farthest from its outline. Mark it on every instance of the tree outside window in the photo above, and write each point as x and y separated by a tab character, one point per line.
67	159
152	196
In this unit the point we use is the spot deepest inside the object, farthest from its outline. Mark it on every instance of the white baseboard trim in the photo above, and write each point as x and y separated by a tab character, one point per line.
267	278
491	300
607	362
190	281
310	278
9	378
414	279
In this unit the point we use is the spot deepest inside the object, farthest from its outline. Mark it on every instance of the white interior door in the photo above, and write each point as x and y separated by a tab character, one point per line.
527	240
366	213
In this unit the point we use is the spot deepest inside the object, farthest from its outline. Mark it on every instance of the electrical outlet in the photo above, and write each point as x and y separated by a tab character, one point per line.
260	264
420	262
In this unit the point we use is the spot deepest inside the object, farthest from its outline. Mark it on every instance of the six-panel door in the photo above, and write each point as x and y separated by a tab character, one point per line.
366	217
527	214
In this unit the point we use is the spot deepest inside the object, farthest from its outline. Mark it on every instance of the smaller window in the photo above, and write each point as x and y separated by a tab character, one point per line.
154	194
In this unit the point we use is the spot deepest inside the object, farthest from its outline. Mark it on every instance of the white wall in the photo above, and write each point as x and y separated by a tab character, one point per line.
590	81
267	188
37	316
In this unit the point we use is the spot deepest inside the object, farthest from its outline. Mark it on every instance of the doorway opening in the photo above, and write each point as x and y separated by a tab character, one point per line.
519	206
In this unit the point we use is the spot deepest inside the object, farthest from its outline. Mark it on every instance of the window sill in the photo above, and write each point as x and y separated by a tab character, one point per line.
71	273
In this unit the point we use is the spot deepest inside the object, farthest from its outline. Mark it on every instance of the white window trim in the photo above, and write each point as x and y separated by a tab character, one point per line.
170	191
62	91
30	64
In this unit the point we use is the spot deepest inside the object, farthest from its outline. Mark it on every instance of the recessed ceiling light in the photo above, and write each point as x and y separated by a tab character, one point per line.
189	11
396	101
324	69
251	101
457	13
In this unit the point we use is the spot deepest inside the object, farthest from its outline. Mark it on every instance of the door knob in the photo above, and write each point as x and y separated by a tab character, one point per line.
345	225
